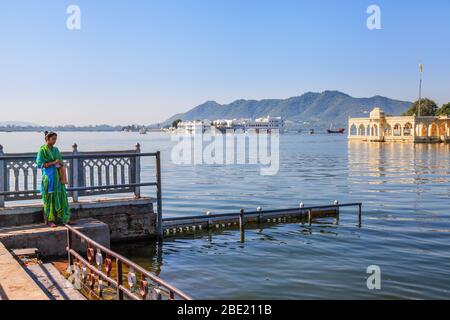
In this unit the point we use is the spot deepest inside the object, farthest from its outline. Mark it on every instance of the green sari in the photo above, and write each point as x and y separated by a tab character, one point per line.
54	194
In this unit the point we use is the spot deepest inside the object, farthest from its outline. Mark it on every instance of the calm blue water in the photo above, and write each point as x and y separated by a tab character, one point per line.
405	190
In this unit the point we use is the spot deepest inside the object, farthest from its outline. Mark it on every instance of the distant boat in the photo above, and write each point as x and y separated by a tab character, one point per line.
143	131
311	131
338	130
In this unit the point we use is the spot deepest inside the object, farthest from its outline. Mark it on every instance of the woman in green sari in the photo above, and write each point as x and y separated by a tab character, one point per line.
54	195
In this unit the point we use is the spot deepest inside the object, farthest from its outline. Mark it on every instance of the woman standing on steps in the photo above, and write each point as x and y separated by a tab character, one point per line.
53	189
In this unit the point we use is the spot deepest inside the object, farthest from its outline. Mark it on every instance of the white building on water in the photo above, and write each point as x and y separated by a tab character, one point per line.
265	124
194	127
260	125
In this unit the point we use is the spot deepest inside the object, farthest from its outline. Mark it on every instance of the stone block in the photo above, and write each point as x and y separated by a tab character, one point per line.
53	241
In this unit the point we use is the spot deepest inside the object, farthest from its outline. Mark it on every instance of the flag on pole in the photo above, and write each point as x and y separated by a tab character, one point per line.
421	68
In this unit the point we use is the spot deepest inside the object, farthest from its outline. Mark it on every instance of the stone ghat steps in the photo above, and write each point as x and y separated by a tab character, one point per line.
15	282
52	242
24	277
53	283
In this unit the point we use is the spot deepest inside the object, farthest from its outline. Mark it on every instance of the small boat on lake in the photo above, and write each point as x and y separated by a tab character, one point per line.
338	130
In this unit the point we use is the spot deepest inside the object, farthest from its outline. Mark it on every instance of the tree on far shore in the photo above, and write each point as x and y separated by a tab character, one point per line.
175	123
427	108
444	110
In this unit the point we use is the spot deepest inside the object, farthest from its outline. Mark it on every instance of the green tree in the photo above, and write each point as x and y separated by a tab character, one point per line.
175	123
444	110
427	108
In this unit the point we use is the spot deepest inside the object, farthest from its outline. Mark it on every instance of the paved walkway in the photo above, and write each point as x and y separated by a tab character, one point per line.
15	283
54	282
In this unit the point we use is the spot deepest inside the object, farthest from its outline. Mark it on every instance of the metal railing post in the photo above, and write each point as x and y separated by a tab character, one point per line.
75	173
159	221
242	225
97	268
359	215
69	247
336	203
2	178
119	279
137	171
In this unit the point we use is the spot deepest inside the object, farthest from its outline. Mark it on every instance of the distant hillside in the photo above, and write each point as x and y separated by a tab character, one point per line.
17	124
319	109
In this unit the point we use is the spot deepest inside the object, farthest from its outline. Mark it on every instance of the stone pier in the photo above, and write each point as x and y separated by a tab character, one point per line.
52	242
127	218
106	201
104	185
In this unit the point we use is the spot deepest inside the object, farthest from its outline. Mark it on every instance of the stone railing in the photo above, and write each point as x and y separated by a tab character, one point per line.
89	174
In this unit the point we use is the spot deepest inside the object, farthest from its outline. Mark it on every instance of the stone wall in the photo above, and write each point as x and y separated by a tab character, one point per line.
127	218
52	242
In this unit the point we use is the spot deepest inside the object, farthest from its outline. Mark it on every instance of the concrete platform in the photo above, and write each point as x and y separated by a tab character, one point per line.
127	218
52	242
15	283
53	283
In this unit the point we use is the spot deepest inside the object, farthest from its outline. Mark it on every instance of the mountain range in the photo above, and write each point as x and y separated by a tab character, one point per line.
17	124
311	108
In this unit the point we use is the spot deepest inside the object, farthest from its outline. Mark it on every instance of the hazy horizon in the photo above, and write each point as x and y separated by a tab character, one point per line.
146	61
153	123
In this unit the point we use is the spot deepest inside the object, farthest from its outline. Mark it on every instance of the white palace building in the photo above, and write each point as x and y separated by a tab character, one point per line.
381	128
261	125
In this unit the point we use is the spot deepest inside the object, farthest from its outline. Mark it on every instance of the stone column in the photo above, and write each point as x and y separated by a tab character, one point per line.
137	171
75	173
2	177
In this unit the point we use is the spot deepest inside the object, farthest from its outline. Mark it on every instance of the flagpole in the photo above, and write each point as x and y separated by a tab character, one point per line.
420	88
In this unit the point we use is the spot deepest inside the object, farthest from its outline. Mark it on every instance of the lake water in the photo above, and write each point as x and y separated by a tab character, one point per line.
404	188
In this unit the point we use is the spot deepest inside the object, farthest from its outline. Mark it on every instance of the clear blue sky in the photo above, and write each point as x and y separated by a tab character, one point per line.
142	61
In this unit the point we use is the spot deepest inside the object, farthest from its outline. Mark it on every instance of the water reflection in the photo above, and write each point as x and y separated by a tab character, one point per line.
401	163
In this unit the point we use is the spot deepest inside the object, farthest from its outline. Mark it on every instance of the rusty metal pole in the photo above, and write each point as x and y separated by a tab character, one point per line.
119	279
259	210
360	215
241	225
69	247
336	203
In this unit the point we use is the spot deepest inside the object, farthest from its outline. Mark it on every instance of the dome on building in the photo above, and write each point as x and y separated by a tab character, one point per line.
377	113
